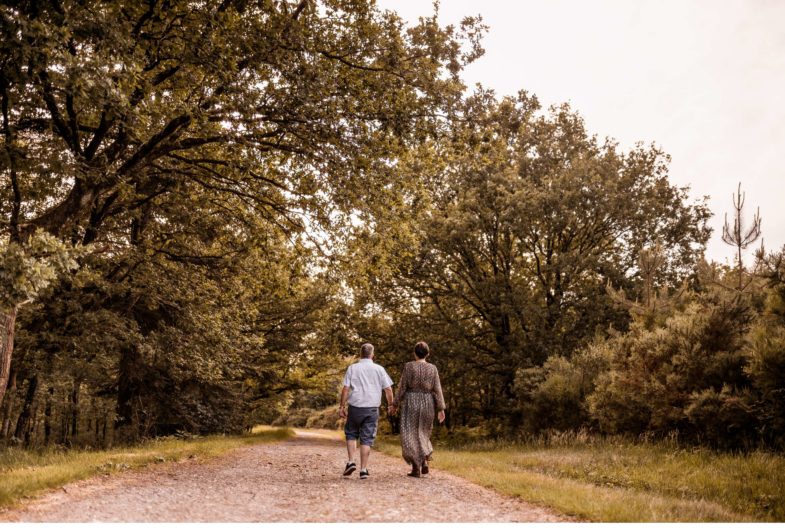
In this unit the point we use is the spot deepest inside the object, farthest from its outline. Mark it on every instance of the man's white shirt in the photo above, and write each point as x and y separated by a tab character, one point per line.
366	380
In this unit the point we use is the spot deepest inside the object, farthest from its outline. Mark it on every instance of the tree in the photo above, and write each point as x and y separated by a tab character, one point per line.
655	303
25	272
502	253
738	236
176	136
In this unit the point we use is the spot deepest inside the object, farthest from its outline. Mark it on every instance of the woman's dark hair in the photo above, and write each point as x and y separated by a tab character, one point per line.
421	349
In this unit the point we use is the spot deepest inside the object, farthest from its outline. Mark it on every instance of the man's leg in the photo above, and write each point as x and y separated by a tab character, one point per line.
367	436
365	453
352	431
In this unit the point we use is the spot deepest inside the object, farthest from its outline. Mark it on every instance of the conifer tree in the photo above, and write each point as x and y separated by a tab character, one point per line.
739	237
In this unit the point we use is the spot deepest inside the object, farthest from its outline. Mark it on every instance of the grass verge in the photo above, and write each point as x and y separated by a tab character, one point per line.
25	473
620	481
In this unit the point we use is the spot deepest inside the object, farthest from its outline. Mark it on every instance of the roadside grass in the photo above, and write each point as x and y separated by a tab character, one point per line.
615	480
27	473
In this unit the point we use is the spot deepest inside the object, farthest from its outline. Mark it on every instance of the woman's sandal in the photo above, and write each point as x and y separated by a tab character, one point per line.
424	469
415	472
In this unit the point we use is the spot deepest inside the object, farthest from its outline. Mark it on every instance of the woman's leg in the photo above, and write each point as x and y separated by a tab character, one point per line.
412	446
407	432
425	427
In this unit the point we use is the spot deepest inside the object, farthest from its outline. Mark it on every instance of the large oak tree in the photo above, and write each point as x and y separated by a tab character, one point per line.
195	131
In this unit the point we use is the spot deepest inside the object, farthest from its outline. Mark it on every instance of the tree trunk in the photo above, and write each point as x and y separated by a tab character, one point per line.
75	409
23	423
32	426
7	323
48	416
64	429
127	423
97	438
8	407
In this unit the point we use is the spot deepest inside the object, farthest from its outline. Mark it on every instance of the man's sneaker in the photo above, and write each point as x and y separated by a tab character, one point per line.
364	474
349	469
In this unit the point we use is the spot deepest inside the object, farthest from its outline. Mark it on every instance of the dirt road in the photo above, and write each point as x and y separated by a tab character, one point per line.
297	480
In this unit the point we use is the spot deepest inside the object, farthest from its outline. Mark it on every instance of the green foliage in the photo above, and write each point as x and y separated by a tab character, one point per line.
722	418
554	395
706	369
209	157
661	380
502	257
251	189
766	355
710	372
27	270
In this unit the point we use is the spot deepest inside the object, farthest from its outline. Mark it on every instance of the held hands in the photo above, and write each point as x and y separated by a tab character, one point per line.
441	416
392	410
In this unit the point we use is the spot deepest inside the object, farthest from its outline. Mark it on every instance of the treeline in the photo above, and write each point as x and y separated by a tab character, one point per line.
174	181
561	284
206	209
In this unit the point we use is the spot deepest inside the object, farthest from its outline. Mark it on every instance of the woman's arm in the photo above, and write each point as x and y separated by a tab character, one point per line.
437	391
402	386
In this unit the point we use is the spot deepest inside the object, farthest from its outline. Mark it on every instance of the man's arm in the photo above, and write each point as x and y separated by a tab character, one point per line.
388	394
344	397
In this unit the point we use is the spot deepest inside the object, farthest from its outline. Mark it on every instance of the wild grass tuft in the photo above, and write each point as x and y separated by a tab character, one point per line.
617	480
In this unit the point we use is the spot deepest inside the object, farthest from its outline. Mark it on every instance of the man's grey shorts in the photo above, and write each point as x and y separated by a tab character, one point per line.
361	423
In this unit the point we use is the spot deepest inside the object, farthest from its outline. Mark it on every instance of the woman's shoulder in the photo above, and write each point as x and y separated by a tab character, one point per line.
427	365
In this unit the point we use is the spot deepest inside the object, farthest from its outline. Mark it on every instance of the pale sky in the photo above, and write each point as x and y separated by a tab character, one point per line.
703	79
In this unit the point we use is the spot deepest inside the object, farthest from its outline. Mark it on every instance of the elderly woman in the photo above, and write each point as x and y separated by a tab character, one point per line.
419	396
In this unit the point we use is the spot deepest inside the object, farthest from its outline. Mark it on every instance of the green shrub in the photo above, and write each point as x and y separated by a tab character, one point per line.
554	396
766	369
722	418
686	377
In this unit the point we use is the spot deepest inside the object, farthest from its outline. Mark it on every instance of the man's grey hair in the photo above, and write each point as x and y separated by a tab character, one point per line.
366	351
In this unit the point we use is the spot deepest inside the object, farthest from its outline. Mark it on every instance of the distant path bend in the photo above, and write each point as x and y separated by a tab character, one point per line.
296	480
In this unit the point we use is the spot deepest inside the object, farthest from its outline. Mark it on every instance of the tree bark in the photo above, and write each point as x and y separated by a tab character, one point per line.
8	407
7	323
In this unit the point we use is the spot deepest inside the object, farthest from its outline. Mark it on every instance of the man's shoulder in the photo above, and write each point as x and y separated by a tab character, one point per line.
380	369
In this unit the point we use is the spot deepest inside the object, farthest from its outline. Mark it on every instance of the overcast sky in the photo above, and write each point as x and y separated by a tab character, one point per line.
705	80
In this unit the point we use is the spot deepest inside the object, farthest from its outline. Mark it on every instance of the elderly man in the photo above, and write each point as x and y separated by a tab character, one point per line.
362	389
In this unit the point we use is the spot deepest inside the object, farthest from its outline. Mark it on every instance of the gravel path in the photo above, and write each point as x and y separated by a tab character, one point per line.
297	480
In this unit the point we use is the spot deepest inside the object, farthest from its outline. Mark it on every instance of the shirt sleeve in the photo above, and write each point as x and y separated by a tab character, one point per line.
347	379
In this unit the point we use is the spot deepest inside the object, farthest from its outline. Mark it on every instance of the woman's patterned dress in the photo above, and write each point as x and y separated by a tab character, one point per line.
418	393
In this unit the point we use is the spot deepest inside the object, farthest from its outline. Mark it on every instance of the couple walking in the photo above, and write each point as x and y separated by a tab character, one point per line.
419	397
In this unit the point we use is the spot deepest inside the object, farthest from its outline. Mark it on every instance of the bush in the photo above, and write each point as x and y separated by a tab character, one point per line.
554	395
685	377
722	418
766	369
